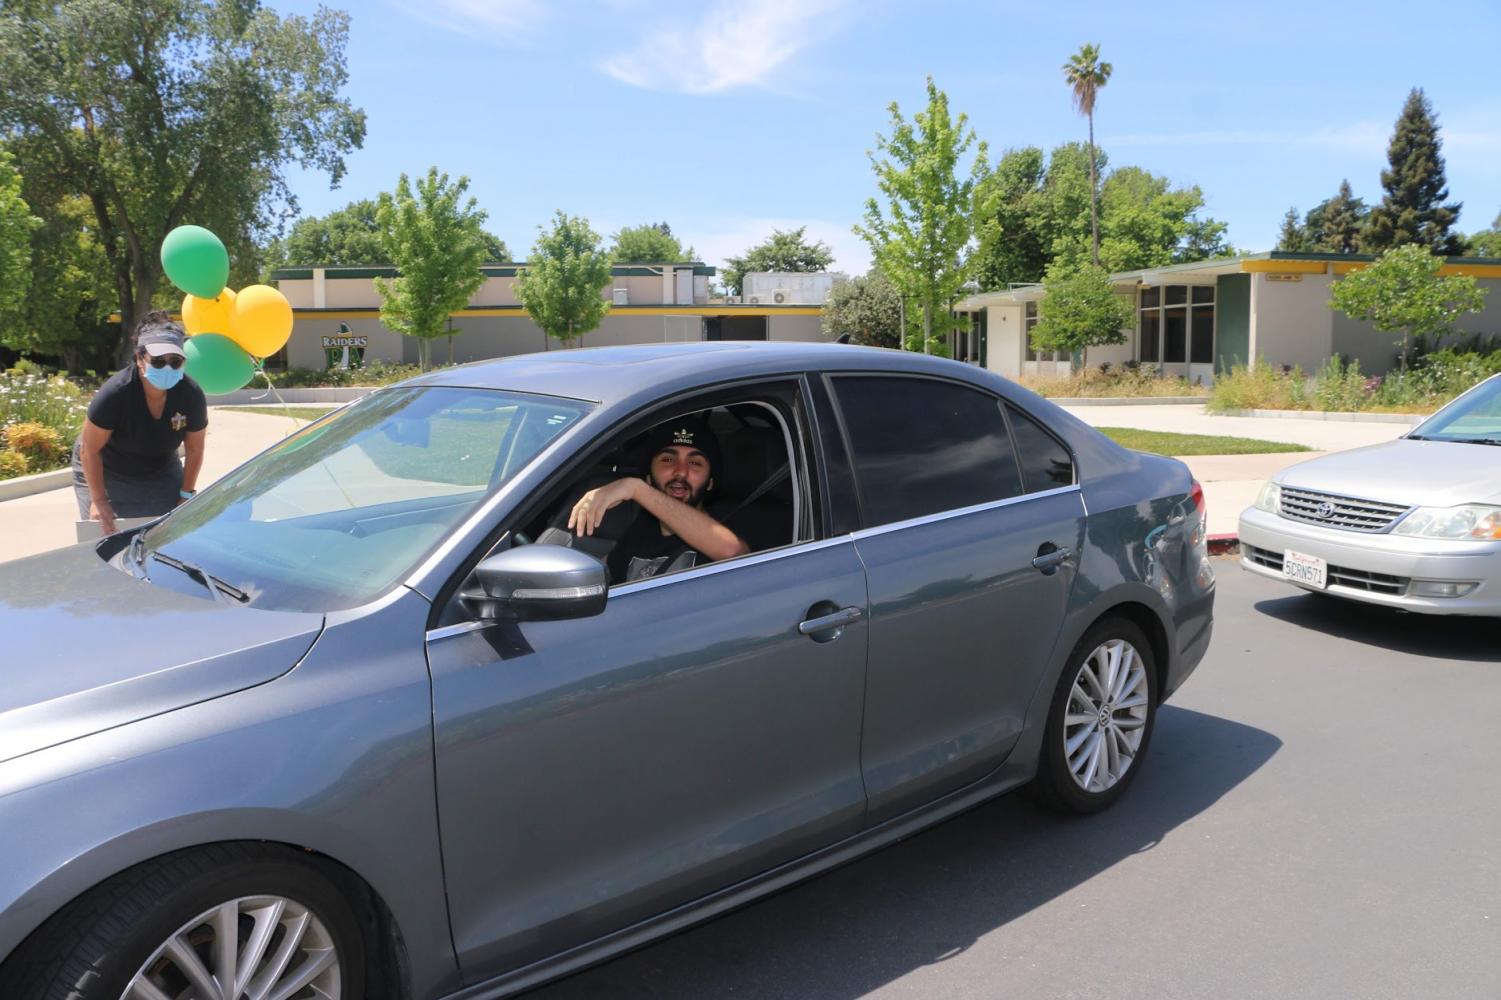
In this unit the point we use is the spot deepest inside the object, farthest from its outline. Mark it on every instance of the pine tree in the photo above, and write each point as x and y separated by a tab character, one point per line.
1339	222
1413	209
1293	238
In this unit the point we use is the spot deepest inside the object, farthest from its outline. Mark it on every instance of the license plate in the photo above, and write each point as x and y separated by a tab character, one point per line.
1311	571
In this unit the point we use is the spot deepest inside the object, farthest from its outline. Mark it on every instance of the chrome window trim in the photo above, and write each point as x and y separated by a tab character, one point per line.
461	628
753	559
945	515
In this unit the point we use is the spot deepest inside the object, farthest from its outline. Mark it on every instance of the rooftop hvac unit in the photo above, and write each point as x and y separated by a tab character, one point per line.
754	300
781	296
622	296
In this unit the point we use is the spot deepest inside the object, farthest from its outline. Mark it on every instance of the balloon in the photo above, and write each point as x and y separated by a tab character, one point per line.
217	364
196	261
261	320
208	315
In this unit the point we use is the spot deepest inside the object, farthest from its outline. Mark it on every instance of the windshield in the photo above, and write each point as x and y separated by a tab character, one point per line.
343	509
1474	416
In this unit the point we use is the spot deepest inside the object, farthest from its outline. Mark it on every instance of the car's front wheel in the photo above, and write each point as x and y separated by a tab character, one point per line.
220	923
1100	719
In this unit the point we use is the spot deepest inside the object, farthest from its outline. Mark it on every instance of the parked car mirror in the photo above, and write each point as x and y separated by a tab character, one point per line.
538	583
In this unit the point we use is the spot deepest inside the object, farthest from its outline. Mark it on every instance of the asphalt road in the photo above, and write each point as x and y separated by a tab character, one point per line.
1319	818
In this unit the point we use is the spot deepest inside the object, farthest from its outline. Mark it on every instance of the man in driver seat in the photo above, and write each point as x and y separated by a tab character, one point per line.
671	519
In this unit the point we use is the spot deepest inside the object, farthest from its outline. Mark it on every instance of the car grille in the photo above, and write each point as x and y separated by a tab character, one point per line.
1343	576
1333	511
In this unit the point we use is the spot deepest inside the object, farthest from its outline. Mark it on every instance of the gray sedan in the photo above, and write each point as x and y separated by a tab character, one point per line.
1413	524
367	719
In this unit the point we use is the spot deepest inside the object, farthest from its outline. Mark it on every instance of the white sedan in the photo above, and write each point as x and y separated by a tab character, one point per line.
1414	523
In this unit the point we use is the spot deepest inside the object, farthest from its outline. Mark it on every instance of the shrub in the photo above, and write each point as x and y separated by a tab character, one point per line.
1340	387
1128	380
42	445
376	372
13	464
1259	386
56	402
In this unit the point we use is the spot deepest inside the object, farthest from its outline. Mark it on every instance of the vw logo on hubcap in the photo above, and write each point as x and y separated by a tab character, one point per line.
1324	509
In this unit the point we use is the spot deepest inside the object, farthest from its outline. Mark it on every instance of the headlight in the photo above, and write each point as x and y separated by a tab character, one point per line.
1471	520
1270	498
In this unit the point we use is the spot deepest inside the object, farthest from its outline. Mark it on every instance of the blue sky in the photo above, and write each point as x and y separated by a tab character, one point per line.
729	119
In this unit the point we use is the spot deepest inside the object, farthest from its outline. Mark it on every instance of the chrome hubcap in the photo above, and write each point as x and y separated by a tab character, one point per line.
253	948
1106	715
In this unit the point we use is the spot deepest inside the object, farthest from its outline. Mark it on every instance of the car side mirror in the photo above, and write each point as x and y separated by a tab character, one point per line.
538	583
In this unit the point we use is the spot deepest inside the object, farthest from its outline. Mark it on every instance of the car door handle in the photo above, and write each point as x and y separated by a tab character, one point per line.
823	623
1049	558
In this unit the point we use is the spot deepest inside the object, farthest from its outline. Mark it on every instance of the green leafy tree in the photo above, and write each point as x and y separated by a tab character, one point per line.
1011	246
164	112
71	291
1080	309
1404	292
1085	75
350	236
1413	209
867	310
1334	224
1487	242
436	239
562	284
16	226
919	241
651	242
1293	236
784	250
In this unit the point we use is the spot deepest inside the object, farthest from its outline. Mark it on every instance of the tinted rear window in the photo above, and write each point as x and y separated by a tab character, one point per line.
1046	464
922	446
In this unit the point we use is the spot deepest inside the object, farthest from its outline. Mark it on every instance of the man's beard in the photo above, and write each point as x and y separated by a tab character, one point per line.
693	498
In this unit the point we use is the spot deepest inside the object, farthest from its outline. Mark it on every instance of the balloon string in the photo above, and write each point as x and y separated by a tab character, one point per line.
260	369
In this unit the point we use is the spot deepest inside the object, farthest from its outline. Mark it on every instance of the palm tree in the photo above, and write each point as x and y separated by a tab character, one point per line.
1086	75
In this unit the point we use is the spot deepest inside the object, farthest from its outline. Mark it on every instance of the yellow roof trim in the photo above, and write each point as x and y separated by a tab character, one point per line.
369	311
1473	270
1284	266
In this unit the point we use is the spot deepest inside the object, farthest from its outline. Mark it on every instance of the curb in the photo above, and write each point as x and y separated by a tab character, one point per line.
1372	418
1224	545
1127	400
41	482
262	396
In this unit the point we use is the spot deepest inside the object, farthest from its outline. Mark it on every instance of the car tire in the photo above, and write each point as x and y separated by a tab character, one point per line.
149	922
1097	737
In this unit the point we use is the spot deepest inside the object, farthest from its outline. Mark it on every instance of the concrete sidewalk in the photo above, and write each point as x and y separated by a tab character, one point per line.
1231	482
44	521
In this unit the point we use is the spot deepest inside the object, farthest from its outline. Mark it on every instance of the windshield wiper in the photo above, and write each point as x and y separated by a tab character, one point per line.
217	587
1494	441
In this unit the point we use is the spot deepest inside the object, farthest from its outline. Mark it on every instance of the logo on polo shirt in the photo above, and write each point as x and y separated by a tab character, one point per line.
179	421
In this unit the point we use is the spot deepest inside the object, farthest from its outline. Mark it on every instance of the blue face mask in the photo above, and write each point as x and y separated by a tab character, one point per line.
163	378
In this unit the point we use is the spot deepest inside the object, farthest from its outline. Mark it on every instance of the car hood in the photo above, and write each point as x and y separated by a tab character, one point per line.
88	647
1415	473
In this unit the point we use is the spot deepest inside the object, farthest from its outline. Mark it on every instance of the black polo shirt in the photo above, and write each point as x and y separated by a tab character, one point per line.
756	525
141	446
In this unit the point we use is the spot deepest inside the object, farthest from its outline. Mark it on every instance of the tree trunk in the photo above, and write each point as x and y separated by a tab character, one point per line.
927	327
1094	217
424	352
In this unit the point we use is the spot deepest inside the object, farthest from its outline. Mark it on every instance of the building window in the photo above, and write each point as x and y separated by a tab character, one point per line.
1177	324
1032	354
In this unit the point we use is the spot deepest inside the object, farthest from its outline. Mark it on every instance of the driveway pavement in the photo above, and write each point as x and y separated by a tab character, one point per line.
1231	482
1316	819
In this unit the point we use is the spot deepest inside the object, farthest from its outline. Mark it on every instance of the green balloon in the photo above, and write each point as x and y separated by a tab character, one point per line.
196	261
217	364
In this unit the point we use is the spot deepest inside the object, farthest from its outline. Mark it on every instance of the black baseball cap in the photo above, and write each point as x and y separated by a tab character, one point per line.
690	432
161	338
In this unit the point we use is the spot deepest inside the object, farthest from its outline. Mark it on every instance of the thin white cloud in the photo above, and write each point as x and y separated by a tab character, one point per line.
1363	138
733	45
498	20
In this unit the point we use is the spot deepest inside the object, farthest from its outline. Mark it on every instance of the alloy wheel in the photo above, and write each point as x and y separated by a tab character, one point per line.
252	948
1106	715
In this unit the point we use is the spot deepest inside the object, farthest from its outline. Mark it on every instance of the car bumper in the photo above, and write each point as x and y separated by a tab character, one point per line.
1377	569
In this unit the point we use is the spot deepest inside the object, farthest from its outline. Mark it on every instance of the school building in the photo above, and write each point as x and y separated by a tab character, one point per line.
650	302
1198	319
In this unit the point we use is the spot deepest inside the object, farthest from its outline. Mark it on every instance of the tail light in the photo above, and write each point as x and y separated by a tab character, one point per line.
1198	498
1201	530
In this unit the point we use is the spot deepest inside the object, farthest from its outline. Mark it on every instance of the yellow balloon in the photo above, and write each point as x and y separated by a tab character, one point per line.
208	315
261	320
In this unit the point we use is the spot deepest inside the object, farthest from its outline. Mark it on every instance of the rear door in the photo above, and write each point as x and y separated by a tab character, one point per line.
969	576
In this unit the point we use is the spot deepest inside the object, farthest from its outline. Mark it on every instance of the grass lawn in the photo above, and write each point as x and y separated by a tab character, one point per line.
309	413
1177	445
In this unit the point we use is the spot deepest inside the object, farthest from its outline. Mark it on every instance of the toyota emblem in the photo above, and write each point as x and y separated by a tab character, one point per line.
1325	509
